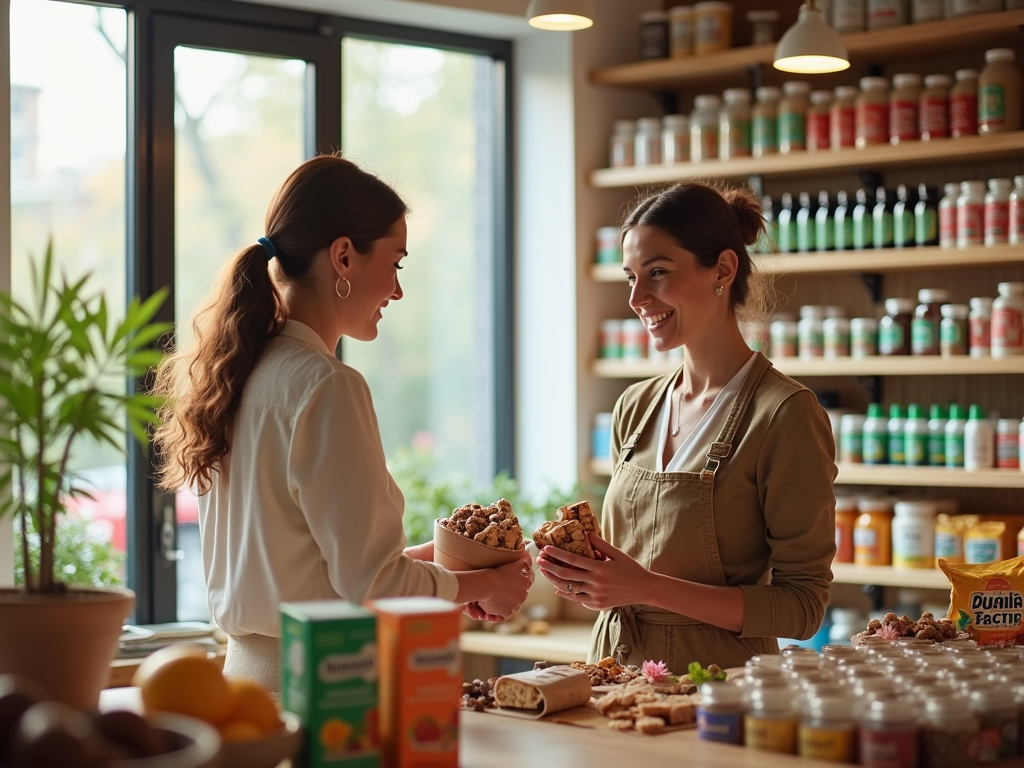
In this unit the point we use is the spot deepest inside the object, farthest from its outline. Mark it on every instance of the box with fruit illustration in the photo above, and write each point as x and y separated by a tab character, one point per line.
329	679
420	681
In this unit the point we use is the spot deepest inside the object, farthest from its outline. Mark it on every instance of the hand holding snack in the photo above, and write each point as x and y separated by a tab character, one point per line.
608	580
512	586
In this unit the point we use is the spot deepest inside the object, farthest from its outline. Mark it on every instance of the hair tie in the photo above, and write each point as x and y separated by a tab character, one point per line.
268	246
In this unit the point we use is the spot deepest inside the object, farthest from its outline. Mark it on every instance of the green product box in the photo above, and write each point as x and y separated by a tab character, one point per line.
329	680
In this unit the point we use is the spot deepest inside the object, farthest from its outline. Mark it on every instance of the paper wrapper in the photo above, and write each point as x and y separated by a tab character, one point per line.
560	688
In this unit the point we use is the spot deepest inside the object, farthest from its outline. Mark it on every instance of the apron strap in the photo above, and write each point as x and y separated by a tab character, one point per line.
722	447
627	447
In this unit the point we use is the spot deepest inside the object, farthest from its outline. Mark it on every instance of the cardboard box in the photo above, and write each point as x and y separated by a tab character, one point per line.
329	679
420	681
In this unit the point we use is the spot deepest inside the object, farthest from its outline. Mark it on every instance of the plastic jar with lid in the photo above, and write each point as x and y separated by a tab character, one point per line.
634	339
848	15
793	116
764	119
888	734
836	334
903	106
622	145
926	216
970	214
1007	444
653	35
979	323
894	328
675	139
913	534
842	118
949	732
924	329
1008	321
915	437
783	333
818	121
872	112
811	331
762	26
851	438
968	7
927	10
996	710
999	93
647	147
872	533
1016	219
734	124
610	344
680	31
712	27
770	723
704	128
947	215
720	713
949	543
933	108
963	104
953	333
997	212
846	517
828	730
875	436
937	419
863	337
885	13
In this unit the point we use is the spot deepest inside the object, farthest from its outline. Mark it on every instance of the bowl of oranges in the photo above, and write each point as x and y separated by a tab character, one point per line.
184	681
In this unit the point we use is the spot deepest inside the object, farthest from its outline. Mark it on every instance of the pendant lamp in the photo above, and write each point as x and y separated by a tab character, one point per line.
811	46
561	15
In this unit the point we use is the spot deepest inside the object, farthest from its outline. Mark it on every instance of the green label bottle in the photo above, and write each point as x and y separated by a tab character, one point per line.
876	436
897	439
991	105
861	223
764	135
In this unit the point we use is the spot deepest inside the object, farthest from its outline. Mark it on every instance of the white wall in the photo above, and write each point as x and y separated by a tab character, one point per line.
6	524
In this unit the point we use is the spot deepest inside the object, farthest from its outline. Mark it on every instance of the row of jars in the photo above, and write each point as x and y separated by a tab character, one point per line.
797	119
934	326
898	704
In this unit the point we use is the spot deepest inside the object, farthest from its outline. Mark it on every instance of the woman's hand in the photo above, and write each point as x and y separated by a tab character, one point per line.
612	580
423	552
512	582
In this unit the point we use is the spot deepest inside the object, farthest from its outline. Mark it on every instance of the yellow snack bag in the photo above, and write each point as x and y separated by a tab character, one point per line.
983	542
987	600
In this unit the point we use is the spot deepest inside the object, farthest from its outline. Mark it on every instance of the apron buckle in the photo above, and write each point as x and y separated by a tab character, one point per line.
707	474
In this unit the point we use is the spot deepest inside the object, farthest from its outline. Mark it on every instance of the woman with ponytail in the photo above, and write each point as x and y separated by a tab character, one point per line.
720	511
280	439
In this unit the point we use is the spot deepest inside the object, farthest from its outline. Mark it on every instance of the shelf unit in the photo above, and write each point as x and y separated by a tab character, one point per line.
944	36
887	576
845	262
840	366
928	477
879	156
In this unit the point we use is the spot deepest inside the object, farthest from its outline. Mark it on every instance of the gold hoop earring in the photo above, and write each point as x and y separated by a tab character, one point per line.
337	288
718	290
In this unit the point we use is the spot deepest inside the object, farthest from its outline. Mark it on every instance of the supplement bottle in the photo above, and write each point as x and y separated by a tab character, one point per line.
783	332
818	128
766	241
1007	444
863	337
872	112
933	108
842	118
811	332
888	734
648	141
903	106
1016	218
787	225
949	731
970	214
805	224
675	139
886	13
680	31
915	437
897	439
824	223
712	27
849	15
875	436
997	212
622	145
937	435
913	534
979	440
842	222
720	713
894	328
846	518
1008	321
851	438
955	429
947	216
872	533
924	329
704	128
762	27
881	218
653	35
765	122
926	216
953	331
963	104
734	124
828	730
863	229
836	331
980	327
999	93
903	219
771	720
793	116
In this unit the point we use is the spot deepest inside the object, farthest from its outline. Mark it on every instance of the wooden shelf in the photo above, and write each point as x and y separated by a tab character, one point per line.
982	30
888	260
937	477
965	150
842	366
565	643
887	576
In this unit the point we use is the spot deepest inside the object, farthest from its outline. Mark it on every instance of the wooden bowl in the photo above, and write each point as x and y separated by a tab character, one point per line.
193	743
457	553
268	751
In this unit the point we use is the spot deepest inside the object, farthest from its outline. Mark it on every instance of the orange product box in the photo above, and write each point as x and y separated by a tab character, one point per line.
420	681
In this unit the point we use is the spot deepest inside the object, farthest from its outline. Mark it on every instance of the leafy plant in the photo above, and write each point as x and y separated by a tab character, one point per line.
82	558
64	366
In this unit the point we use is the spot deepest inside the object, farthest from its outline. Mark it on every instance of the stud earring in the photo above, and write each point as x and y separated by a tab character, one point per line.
718	290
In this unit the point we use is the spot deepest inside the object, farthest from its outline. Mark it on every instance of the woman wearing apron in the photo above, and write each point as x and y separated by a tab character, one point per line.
720	511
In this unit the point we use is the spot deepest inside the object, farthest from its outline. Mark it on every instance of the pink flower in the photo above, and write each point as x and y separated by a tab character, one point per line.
655	671
888	631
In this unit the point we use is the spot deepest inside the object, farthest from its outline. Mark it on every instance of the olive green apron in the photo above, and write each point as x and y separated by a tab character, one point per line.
665	520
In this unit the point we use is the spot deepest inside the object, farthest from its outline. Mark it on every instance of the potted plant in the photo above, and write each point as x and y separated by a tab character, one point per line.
64	372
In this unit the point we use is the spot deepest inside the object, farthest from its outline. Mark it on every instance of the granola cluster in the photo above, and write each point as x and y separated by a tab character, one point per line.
495	525
644	706
927	627
479	694
605	672
569	531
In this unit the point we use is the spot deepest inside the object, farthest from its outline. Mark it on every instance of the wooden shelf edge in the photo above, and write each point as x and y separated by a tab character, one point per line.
940	477
843	366
967	149
887	576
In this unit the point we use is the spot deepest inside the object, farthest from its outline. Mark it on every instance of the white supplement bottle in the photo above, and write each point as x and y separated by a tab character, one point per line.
704	128
947	216
979	441
675	139
811	331
647	146
913	534
1016	217
979	324
970	214
1008	321
997	211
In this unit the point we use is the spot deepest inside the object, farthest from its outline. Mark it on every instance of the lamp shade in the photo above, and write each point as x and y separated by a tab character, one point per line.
561	15
811	46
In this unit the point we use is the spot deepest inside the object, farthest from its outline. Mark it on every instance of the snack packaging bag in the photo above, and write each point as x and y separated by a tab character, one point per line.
329	679
988	600
983	542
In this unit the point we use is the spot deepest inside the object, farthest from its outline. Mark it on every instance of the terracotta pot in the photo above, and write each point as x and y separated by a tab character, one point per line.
63	642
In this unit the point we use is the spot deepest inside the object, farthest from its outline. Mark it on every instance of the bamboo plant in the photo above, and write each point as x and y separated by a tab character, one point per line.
65	368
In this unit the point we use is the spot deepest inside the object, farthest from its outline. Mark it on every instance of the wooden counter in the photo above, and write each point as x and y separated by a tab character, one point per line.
565	643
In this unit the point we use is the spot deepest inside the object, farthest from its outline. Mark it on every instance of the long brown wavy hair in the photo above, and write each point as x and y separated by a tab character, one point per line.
323	199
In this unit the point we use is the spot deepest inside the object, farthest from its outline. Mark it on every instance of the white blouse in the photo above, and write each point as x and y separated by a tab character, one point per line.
694	449
304	507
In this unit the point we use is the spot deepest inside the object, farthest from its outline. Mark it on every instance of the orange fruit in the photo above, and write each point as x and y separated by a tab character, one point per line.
184	681
238	730
334	733
252	704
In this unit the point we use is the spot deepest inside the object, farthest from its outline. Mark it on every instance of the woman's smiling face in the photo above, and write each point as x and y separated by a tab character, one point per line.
669	291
